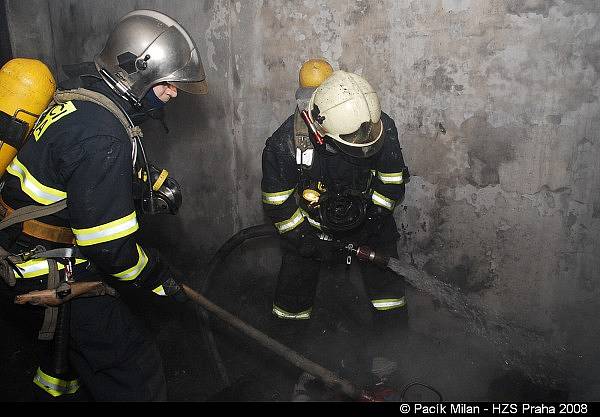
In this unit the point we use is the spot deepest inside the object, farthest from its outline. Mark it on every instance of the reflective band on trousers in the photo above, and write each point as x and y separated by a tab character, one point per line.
38	267
291	223
55	386
383	201
388	303
390	178
39	192
281	313
133	272
107	232
276	198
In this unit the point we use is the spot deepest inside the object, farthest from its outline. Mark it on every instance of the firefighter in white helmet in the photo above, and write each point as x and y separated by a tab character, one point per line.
341	183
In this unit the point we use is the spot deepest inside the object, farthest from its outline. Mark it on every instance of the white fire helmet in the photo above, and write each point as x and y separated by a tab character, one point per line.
346	108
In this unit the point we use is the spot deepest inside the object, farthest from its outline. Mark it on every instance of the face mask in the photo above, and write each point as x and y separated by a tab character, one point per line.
166	196
152	108
151	101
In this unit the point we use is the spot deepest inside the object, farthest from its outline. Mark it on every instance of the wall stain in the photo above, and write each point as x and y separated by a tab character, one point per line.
488	148
519	7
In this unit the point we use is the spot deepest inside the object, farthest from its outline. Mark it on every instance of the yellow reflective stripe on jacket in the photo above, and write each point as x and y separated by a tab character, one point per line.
281	313
311	221
39	192
291	223
390	178
107	232
55	386
133	272
276	198
388	303
38	267
383	201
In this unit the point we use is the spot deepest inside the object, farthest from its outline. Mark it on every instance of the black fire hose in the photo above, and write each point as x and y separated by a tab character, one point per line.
203	305
214	263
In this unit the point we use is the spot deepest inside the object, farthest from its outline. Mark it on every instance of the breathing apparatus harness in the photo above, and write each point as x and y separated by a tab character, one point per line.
340	208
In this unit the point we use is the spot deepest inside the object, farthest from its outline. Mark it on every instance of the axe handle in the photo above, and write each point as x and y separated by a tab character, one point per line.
49	297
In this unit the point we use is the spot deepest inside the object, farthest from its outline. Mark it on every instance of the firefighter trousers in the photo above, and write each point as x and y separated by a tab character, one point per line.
298	279
110	353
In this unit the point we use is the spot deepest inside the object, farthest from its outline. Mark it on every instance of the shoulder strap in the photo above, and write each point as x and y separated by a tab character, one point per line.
62	96
32	212
83	94
302	142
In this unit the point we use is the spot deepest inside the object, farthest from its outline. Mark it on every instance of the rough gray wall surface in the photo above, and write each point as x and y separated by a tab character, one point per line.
497	104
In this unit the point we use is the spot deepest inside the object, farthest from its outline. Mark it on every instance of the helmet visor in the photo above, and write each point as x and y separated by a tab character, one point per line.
363	143
198	87
191	77
173	59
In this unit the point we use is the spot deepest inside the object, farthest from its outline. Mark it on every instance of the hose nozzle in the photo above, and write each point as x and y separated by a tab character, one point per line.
366	254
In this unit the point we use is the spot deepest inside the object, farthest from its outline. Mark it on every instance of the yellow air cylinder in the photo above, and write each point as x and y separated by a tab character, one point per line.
26	88
313	72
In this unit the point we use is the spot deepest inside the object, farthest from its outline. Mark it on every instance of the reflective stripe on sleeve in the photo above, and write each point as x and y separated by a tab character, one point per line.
291	223
159	291
38	267
281	313
39	192
276	198
133	272
311	221
390	178
107	232
388	303
55	386
383	201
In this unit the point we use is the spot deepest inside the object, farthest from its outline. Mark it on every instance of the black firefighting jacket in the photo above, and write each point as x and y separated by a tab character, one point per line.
382	176
81	152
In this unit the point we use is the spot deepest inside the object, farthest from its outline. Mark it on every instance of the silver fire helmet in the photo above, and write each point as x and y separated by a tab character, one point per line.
147	48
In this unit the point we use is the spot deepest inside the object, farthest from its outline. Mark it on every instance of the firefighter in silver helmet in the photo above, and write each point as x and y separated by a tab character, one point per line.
85	150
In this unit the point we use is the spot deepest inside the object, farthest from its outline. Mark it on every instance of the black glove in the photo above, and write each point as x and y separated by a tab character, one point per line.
173	290
322	250
308	244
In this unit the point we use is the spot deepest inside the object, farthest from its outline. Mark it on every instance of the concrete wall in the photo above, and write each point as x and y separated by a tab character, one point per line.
497	105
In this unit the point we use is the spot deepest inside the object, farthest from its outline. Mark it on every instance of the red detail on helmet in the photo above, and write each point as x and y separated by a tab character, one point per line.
312	127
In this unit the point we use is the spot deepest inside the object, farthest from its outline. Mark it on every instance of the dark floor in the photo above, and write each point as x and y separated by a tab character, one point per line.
461	366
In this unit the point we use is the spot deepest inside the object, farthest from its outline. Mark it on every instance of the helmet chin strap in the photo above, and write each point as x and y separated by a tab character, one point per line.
119	88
